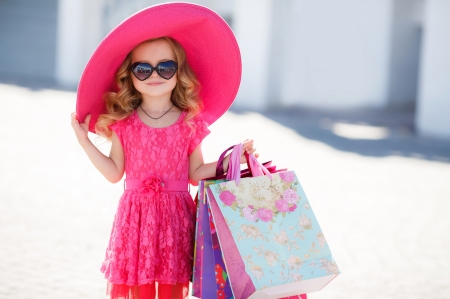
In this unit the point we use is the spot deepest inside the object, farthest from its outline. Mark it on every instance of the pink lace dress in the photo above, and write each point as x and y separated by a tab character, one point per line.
153	236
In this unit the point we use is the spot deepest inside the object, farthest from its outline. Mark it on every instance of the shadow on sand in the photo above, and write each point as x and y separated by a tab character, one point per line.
368	132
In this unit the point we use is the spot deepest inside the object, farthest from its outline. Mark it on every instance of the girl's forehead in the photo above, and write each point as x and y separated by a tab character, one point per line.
153	52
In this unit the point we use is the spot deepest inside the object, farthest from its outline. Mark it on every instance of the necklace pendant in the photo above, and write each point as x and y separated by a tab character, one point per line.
156	121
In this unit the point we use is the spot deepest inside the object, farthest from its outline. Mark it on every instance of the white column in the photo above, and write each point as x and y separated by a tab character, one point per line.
323	53
251	24
332	54
70	42
80	30
405	52
433	107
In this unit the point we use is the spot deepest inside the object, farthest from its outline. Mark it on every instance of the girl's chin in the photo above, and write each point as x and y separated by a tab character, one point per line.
155	93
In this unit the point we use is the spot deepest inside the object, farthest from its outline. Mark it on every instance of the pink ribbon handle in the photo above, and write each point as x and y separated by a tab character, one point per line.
234	165
256	168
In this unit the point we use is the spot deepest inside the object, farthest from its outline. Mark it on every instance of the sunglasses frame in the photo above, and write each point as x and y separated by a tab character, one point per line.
153	68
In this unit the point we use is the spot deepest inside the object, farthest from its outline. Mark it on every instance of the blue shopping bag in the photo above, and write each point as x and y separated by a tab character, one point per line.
270	221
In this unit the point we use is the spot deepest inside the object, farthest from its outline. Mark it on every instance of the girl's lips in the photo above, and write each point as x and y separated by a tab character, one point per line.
154	83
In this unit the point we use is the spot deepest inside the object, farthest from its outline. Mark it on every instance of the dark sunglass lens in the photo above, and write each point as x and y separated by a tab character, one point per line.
142	70
167	69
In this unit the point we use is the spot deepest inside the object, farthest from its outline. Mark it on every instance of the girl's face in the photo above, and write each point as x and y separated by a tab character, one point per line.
154	53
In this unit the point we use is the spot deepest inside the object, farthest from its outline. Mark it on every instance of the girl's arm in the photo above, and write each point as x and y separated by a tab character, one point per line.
111	167
199	170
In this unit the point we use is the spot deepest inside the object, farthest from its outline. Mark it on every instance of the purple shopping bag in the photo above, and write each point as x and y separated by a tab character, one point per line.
210	274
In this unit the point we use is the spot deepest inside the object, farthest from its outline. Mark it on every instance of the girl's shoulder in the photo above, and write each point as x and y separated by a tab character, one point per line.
195	125
121	123
198	120
198	133
199	126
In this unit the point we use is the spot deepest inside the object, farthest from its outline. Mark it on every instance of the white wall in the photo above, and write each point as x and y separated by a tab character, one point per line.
252	21
323	53
406	39
433	109
80	30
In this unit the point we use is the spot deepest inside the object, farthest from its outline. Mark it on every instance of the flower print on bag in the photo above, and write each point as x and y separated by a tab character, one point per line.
294	262
261	200
290	196
288	176
248	213
305	222
271	257
221	276
251	231
321	239
292	208
227	197
265	214
282	205
329	266
282	238
296	277
257	271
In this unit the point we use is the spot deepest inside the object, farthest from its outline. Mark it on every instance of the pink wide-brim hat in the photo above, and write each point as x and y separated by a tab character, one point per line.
211	51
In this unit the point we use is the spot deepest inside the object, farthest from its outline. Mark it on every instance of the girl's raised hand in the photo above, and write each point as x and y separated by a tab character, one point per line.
81	129
248	147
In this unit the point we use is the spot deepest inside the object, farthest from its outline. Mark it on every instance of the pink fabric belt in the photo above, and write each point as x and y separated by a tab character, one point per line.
154	185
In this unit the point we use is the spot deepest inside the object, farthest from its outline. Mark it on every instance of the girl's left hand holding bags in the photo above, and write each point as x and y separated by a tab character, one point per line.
248	147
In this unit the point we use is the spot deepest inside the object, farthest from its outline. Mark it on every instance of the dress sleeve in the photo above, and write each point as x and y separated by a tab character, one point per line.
117	128
200	132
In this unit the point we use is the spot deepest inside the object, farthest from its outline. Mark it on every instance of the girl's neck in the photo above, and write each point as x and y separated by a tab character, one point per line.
156	104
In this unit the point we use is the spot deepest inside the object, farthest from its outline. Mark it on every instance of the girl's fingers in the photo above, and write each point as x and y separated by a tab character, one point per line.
251	150
248	144
74	120
87	119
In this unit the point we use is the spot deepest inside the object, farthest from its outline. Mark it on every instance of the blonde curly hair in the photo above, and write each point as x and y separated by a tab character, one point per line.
121	104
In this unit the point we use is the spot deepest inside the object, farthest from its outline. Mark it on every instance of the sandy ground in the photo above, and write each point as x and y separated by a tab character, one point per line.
383	200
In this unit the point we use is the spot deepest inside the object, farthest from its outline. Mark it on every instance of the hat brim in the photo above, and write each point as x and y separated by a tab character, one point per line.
211	51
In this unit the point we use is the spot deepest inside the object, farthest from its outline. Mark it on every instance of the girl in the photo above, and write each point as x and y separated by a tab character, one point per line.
154	123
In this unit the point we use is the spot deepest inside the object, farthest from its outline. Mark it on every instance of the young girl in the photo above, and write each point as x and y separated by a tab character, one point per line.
154	123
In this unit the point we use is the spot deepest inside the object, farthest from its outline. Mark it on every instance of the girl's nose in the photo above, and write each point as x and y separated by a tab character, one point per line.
154	74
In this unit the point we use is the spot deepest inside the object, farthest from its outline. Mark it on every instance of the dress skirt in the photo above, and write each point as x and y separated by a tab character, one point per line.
150	251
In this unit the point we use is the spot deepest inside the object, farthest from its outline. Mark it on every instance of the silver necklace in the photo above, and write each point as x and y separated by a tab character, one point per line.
156	118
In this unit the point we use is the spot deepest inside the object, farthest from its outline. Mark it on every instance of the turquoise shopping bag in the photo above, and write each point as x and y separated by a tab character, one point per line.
268	223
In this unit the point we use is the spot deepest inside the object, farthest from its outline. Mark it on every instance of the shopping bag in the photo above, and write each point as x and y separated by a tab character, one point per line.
210	275
210	278
272	244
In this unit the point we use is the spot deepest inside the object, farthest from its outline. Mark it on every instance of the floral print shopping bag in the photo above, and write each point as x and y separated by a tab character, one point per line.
270	222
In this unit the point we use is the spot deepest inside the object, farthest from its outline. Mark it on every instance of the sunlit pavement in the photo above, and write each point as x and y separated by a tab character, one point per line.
380	193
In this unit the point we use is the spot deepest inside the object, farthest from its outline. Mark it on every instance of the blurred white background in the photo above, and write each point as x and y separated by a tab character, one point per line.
351	94
384	54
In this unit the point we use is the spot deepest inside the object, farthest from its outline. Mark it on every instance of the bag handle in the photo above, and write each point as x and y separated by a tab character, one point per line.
219	168
254	166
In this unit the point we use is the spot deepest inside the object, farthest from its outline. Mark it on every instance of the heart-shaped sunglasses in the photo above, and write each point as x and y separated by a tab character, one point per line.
143	70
